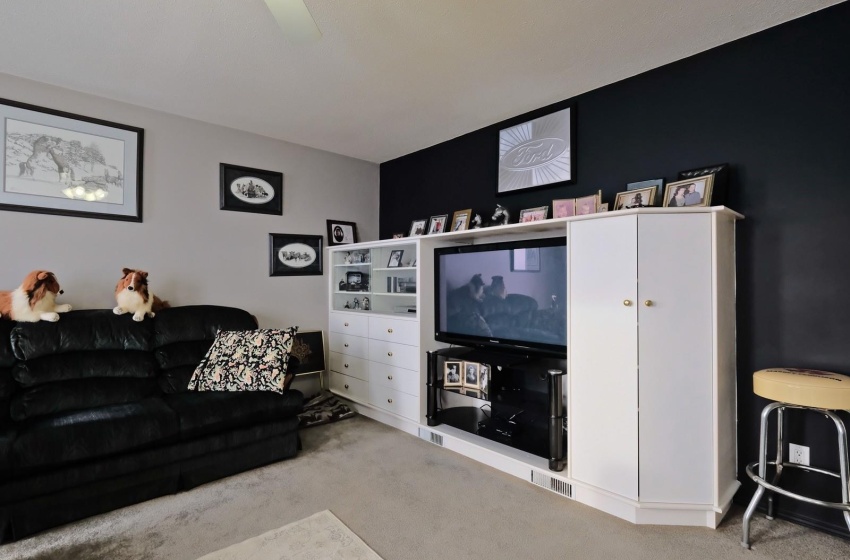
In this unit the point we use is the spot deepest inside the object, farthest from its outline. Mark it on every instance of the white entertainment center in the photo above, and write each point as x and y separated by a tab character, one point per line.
650	390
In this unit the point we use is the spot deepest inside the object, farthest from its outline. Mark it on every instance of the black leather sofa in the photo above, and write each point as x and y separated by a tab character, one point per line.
95	414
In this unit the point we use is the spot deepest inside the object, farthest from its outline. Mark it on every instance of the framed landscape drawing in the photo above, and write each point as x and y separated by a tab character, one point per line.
537	153
69	165
244	189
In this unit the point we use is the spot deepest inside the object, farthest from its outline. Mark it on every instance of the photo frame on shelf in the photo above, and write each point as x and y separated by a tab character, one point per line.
471	375
418	227
461	219
245	189
602	207
437	224
638	198
720	183
689	192
452	374
395	258
657	183
295	255
587	204
341	233
563	208
537	153
537	214
484	378
398	235
70	165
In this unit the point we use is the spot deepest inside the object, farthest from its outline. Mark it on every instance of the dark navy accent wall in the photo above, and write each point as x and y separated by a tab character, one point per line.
776	107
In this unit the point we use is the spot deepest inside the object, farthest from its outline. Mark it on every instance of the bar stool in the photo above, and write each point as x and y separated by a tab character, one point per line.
805	389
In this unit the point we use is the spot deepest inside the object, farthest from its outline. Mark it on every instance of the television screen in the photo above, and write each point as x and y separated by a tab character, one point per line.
508	295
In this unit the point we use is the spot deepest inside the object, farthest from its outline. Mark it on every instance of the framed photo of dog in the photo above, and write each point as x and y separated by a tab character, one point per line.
69	165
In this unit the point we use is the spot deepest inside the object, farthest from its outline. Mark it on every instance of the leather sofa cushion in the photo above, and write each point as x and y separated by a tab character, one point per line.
7	437
7	384
198	322
98	432
98	329
7	358
213	411
176	380
81	394
84	365
188	353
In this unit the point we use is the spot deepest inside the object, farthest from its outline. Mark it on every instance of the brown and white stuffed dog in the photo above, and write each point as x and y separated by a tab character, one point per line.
134	296
34	300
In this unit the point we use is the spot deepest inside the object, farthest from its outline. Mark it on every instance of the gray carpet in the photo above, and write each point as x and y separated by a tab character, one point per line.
407	499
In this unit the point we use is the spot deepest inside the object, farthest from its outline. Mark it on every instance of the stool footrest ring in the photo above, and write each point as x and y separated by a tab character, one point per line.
762	482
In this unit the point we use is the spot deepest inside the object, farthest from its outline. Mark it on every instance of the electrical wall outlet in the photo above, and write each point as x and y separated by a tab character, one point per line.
798	454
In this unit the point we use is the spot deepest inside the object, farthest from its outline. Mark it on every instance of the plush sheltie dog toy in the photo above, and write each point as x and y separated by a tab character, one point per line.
34	300
134	296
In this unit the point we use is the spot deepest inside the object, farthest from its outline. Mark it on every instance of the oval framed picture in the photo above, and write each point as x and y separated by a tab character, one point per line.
245	189
295	255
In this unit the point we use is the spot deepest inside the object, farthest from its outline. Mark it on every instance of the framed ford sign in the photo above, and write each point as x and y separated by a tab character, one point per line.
537	153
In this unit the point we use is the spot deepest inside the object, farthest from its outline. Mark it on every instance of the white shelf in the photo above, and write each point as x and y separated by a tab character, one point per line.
354	293
394	294
353	264
395	268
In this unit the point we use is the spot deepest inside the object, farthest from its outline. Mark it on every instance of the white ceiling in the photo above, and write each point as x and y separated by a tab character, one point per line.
388	77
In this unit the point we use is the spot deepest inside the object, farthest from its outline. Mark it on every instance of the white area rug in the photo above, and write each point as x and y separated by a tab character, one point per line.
319	537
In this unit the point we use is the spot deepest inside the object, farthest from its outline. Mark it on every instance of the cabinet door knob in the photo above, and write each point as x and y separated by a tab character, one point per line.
390	401
346	385
627	302
346	365
389	353
346	345
390	331
389	377
346	324
648	303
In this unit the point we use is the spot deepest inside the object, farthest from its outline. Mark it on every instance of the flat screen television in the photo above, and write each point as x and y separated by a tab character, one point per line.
508	295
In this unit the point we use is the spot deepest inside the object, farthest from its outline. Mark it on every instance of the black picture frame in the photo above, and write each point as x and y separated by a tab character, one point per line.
395	255
341	233
519	170
295	255
720	183
237	195
69	164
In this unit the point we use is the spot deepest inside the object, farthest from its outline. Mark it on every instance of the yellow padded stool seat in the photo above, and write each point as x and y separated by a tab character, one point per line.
804	387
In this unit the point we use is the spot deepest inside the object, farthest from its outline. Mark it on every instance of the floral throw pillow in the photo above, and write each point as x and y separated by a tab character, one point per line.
246	361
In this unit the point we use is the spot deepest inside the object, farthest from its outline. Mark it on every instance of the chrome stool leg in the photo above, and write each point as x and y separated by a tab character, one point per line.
748	515
780	449
843	458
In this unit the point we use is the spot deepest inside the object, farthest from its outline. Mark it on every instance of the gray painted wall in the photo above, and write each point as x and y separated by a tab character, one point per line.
194	252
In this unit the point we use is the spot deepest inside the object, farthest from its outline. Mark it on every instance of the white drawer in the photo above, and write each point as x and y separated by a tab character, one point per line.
400	379
394	401
391	353
394	330
348	323
349	365
349	387
350	345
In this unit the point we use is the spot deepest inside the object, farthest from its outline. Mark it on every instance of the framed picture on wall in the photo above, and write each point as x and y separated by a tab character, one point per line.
295	255
537	153
245	189
70	165
341	233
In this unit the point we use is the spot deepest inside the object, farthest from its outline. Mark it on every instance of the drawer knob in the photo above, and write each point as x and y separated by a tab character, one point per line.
390	401
346	345
390	331
627	302
389	377
648	303
346	385
346	324
389	353
346	365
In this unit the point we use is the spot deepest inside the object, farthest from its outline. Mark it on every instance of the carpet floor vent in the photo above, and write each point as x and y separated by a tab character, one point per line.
428	435
555	485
